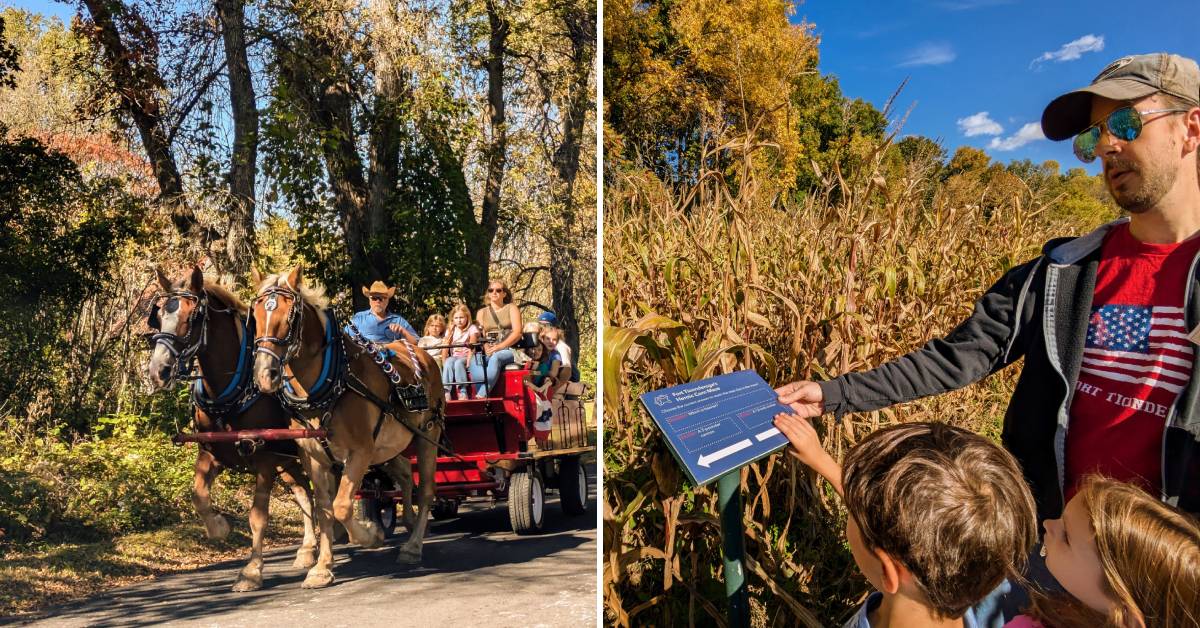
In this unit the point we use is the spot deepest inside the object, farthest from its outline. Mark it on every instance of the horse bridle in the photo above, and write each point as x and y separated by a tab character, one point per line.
295	323
172	341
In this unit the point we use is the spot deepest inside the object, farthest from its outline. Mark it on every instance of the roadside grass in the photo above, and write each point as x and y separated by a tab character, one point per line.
36	575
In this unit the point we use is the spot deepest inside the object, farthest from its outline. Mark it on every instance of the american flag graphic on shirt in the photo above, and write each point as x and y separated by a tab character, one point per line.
1139	345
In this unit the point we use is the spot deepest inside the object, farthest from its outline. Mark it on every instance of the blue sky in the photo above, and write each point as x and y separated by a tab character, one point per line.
1005	57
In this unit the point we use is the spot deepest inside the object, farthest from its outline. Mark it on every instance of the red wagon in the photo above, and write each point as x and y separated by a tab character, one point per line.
498	458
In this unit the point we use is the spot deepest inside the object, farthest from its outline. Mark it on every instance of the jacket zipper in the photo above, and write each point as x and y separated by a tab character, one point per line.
1051	340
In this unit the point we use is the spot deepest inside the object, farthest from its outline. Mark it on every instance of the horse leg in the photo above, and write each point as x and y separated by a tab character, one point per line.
250	578
207	469
364	533
410	552
306	556
321	573
400	470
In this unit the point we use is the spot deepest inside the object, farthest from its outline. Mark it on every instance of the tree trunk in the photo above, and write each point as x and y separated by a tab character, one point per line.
496	152
327	101
239	237
384	152
136	88
580	22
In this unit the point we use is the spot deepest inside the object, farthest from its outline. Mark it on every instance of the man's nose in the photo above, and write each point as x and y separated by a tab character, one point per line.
1108	144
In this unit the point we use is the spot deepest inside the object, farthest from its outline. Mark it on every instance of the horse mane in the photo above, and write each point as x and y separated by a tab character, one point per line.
311	293
226	296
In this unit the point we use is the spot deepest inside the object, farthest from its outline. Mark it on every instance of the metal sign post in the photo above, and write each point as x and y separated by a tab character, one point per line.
714	427
729	500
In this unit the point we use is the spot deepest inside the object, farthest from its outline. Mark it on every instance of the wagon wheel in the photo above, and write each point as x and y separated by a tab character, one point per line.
526	501
572	486
445	509
381	511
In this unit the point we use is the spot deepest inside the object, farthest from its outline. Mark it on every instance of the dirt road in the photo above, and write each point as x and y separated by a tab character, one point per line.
475	572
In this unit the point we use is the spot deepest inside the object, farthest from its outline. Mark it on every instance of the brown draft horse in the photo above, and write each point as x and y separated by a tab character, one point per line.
204	321
297	339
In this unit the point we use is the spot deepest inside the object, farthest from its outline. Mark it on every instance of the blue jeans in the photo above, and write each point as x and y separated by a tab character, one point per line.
495	366
454	371
478	374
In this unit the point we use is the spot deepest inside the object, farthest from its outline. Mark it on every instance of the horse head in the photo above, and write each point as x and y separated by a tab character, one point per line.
177	323
278	312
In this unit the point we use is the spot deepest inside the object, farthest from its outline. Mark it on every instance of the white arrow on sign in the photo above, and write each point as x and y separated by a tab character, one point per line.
706	461
761	436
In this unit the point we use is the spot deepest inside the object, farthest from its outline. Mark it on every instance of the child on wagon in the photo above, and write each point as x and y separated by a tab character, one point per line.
435	328
1123	559
938	518
460	359
543	368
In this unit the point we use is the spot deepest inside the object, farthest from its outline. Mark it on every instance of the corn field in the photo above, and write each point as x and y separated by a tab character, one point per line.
722	275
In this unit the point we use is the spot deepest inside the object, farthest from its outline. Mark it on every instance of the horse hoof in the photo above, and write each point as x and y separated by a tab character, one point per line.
317	579
245	583
216	528
305	559
408	557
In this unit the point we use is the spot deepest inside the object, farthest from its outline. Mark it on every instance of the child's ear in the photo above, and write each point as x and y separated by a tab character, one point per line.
892	572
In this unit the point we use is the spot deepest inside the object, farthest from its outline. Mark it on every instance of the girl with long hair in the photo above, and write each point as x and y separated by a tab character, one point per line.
1124	560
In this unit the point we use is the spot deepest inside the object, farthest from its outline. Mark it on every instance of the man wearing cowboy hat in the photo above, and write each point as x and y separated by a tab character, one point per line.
378	324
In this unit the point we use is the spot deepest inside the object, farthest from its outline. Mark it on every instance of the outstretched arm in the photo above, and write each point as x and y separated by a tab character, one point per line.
806	447
993	337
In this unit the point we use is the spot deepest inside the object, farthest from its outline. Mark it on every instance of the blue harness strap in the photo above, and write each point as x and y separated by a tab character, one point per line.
332	359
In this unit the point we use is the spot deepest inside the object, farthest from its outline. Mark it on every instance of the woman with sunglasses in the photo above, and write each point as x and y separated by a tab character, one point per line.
1106	324
500	320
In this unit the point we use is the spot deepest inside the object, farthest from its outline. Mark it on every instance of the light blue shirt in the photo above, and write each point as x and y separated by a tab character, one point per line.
376	329
861	620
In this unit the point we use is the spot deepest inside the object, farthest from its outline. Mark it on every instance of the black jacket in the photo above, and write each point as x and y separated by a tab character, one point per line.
1038	310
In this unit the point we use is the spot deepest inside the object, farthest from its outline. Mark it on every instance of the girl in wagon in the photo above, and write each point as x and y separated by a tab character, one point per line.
435	328
460	359
544	364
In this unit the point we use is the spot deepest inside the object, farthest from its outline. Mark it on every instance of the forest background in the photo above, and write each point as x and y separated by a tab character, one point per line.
756	217
434	145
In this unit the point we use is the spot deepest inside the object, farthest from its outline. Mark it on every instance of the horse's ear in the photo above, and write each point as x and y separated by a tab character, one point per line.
197	279
294	277
255	278
162	279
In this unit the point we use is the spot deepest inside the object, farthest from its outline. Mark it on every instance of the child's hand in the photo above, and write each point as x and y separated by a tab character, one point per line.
806	445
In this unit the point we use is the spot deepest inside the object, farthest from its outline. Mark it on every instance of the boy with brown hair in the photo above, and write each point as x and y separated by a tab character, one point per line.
938	518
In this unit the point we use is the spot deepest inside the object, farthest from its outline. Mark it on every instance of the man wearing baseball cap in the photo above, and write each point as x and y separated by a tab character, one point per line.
1107	323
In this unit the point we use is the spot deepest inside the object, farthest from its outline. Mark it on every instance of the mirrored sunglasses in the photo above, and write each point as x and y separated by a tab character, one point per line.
1123	124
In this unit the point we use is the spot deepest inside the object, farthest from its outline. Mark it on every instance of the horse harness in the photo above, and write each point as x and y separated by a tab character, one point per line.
240	393
336	377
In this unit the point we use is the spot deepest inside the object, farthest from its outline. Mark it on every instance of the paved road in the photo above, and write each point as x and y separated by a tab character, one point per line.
475	572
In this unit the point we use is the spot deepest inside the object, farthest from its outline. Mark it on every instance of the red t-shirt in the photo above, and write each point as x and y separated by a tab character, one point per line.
1136	361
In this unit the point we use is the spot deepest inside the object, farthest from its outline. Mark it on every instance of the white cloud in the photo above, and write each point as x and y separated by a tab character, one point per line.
979	124
1071	51
929	54
1029	133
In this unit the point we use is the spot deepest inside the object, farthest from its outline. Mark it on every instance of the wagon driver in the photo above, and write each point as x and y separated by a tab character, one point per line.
378	324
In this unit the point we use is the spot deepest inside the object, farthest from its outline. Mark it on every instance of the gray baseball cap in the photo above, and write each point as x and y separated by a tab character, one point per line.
1127	78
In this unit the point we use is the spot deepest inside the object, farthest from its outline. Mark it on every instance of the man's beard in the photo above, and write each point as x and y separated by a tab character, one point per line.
1155	182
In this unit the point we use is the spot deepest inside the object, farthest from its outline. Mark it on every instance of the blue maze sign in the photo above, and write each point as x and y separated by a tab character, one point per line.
718	424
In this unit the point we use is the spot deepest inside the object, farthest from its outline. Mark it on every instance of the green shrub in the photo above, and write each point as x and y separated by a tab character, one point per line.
124	477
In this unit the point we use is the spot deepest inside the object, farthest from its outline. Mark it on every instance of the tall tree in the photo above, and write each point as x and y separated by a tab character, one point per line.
243	167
